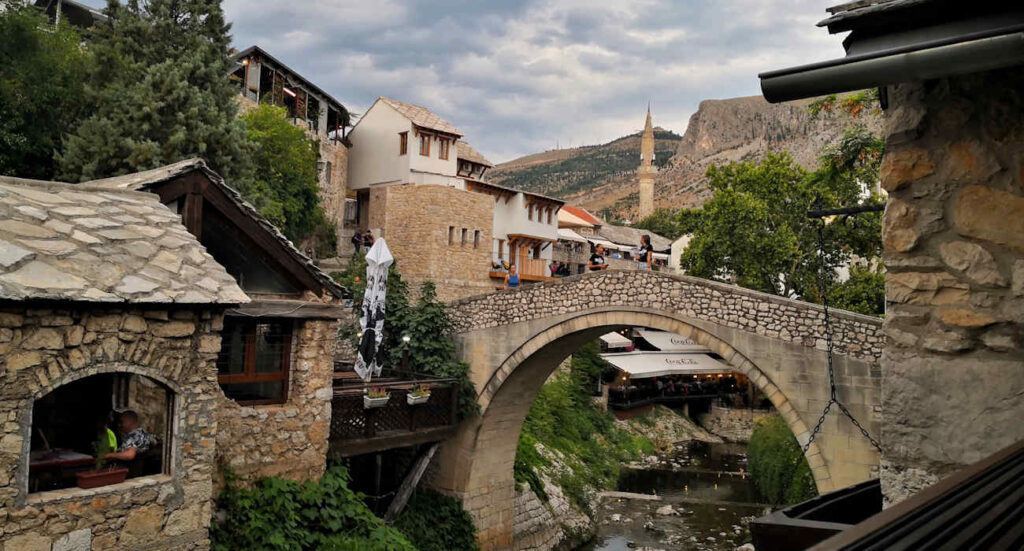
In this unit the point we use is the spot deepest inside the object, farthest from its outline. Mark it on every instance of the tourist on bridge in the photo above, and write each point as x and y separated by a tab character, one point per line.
646	255
512	277
597	260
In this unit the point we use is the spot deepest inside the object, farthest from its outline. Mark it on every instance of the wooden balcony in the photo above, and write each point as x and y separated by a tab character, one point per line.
356	429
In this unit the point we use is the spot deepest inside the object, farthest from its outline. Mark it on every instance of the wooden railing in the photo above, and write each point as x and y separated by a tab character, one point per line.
533	267
357	429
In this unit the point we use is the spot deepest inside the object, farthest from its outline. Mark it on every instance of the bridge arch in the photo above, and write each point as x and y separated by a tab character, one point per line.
515	340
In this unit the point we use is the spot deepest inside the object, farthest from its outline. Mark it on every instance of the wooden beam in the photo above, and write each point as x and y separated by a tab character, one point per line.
296	309
412	479
359	446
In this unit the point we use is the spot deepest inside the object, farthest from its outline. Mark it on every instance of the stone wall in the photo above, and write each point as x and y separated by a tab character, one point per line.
731	424
332	177
287	440
46	348
953	232
415	220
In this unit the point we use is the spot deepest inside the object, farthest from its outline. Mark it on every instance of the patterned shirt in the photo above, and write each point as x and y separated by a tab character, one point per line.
138	439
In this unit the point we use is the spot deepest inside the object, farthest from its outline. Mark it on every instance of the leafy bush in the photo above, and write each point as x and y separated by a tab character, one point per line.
436	522
564	418
777	463
297	516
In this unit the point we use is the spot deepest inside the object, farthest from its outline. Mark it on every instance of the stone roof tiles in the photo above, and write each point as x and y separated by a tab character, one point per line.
421	116
145	179
465	151
76	242
849	11
624	235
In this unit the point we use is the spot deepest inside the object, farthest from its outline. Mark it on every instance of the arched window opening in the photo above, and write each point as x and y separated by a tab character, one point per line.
112	424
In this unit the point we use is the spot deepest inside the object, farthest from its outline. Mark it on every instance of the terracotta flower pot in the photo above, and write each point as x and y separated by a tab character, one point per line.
95	479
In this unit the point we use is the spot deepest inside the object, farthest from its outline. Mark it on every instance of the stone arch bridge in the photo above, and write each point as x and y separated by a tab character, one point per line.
515	339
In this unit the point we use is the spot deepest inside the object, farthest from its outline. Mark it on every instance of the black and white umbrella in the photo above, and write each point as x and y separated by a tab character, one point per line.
378	259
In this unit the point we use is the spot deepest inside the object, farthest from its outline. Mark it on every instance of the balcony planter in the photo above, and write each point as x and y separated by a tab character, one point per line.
371	403
105	477
414	400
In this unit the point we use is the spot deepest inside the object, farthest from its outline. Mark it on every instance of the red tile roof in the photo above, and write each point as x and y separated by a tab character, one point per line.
582	213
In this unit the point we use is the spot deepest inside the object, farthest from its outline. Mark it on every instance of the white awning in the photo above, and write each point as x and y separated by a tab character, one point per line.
606	244
568	235
660	256
615	340
641	365
670	342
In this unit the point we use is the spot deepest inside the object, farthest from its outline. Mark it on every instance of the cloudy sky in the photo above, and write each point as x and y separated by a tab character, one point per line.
519	76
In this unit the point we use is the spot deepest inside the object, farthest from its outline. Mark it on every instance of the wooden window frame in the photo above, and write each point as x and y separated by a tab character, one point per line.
529	212
549	216
425	145
501	249
442	149
250	375
403	143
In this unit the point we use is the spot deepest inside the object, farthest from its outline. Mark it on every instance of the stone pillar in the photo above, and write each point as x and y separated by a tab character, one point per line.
953	367
646	195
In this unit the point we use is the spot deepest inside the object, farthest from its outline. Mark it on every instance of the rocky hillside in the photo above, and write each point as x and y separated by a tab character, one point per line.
720	131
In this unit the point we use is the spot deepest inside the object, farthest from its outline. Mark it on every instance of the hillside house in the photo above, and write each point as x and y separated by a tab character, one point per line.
262	78
424	189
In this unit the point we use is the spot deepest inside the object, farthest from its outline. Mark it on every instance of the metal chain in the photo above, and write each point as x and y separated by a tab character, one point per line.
833	398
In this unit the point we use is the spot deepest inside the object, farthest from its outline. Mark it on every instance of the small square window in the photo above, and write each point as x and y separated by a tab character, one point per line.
403	143
476	239
451	235
464	232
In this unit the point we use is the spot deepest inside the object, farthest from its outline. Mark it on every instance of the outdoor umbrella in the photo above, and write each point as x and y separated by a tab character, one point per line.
372	323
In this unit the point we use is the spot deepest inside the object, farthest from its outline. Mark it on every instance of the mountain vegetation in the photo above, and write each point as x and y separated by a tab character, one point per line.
565	172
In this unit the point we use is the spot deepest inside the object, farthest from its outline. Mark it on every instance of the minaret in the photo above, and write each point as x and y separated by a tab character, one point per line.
645	174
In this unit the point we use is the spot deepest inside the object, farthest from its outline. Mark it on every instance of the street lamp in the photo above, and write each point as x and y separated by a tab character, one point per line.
405	352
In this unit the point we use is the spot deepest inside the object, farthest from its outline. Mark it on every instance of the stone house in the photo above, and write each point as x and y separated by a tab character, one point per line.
262	78
165	293
276	361
106	302
422	187
951	86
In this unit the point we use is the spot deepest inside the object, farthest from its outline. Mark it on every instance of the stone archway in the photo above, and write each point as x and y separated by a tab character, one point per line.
478	463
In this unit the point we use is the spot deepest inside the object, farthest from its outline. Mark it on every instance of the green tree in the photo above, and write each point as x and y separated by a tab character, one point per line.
284	185
777	463
755	231
42	90
664	222
159	93
863	292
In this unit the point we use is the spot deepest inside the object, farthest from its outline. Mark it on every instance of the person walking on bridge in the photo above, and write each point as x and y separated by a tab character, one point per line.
646	256
597	262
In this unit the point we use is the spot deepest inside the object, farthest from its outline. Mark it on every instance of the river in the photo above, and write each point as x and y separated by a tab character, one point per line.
712	499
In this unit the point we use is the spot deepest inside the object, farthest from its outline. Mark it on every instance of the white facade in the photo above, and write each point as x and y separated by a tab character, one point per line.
376	156
514	218
678	246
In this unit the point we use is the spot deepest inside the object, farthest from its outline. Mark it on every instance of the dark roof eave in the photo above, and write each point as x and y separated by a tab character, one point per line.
945	57
246	52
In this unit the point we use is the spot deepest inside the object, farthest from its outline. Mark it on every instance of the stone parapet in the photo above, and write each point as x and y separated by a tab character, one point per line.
784	319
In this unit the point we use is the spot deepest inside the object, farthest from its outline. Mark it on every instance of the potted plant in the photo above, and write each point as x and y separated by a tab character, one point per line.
418	395
101	476
375	397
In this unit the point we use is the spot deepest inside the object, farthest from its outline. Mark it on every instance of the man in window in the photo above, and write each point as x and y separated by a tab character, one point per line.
135	440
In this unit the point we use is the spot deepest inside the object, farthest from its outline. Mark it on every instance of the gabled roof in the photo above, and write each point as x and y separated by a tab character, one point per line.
569	219
583	214
63	241
466	152
421	116
148	179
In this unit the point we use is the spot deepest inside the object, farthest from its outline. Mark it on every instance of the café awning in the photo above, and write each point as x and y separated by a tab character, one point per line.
670	342
641	365
565	234
606	244
615	340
